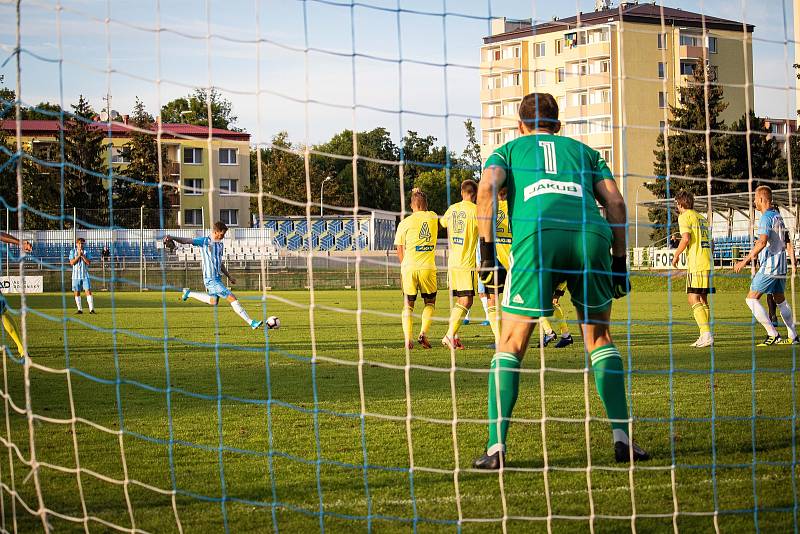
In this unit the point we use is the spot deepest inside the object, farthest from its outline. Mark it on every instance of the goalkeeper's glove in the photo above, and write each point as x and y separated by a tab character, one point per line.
492	276
619	276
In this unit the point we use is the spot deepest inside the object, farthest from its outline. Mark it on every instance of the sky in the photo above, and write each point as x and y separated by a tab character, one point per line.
314	67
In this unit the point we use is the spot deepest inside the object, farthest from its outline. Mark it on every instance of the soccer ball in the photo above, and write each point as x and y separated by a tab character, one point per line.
273	323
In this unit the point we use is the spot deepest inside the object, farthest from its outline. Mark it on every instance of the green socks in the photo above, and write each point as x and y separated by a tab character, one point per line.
610	381
503	390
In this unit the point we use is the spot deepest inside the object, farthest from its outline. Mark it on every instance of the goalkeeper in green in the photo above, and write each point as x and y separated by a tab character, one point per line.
554	184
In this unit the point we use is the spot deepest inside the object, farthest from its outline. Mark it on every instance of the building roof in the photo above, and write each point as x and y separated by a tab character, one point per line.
650	13
120	129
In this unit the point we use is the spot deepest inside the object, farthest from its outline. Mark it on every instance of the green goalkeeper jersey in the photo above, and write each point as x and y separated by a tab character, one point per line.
550	182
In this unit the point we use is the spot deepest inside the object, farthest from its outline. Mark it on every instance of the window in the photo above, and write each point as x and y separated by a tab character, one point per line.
600	125
496	54
228	187
712	44
120	155
661	71
229	217
578	99
511	108
559	46
510	80
690	40
227	156
193	156
598	36
511	52
662	99
193	186
560	75
600	96
662	125
562	101
662	41
193	217
687	68
493	82
577	128
605	153
538	49
540	77
495	137
509	135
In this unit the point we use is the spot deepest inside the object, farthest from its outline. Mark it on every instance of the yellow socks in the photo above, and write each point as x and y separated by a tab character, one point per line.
494	321
545	324
427	318
456	318
408	322
8	324
701	316
558	314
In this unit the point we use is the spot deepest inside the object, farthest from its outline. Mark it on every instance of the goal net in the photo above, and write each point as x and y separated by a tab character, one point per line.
131	404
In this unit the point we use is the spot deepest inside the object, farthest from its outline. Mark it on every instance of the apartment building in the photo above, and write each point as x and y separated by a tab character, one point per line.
206	175
614	72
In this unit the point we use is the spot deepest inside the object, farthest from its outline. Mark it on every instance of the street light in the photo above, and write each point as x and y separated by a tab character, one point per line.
321	190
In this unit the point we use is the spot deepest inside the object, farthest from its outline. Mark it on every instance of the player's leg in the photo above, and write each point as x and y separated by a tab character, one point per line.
698	286
428	288
592	295
77	287
463	285
786	314
205	298
89	297
410	281
772	309
10	327
237	307
558	313
759	286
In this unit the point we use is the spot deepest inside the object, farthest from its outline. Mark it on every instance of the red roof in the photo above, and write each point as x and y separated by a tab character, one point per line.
119	129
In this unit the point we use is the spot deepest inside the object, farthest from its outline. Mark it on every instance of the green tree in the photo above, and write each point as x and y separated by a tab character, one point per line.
282	175
86	155
421	154
765	164
143	170
689	149
434	184
193	109
471	156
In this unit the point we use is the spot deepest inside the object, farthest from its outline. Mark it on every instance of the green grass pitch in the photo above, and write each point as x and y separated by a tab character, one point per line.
119	381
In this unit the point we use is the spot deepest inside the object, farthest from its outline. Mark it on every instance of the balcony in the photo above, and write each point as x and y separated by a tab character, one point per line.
172	168
501	93
500	65
586	51
494	123
591	110
692	52
578	81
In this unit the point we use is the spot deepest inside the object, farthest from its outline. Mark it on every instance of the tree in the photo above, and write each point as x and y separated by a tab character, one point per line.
765	164
434	184
421	154
378	182
194	109
282	175
471	156
142	187
690	150
86	154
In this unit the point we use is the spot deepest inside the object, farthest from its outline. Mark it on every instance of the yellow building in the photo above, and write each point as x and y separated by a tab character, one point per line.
614	73
202	177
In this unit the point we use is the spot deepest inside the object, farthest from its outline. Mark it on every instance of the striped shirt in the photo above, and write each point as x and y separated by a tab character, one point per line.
212	257
80	271
772	258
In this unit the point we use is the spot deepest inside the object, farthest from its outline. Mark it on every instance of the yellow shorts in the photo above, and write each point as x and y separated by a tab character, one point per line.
463	282
699	283
421	281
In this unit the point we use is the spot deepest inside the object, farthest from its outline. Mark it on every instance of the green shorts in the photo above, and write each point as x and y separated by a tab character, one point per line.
539	263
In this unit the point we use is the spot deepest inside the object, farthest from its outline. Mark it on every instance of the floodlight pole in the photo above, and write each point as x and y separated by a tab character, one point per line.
321	190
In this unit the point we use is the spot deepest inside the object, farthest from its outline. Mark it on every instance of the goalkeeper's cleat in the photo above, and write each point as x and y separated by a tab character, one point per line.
185	294
565	341
490	462
705	340
256	324
423	340
771	340
622	452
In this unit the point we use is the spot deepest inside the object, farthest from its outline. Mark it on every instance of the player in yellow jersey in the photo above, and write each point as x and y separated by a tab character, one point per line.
461	223
415	241
5	317
695	241
550	335
502	229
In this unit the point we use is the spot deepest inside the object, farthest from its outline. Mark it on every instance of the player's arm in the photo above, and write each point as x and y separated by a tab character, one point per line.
492	179
607	193
85	259
685	237
181	240
790	253
224	271
758	246
11	240
401	251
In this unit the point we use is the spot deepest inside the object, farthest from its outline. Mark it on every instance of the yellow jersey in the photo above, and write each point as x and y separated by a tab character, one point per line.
417	233
502	234
698	252
461	221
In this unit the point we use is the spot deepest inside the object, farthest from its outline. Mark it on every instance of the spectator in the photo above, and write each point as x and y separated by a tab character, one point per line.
674	239
106	252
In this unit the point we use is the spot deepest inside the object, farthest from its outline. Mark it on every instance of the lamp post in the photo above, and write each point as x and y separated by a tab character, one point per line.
321	191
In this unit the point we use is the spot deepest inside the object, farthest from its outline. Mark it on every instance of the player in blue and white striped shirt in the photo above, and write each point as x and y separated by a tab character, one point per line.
80	261
211	253
770	249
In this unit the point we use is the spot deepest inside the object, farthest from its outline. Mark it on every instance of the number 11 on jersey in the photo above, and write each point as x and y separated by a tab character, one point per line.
549	148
